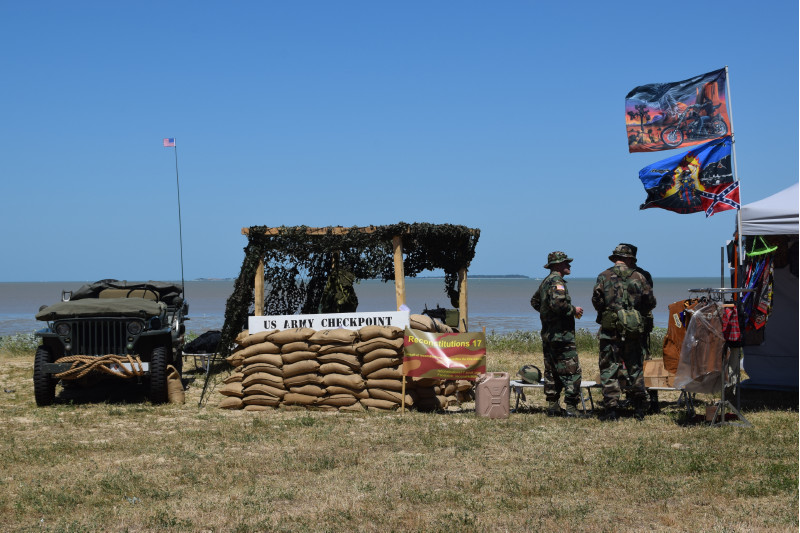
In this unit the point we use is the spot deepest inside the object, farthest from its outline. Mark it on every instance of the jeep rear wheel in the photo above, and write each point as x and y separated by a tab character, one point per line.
158	375
44	385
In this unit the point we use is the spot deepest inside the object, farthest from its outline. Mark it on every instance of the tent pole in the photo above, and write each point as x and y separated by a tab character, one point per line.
740	255
399	273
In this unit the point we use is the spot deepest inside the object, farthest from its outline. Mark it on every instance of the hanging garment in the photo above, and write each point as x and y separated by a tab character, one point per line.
730	324
700	365
677	321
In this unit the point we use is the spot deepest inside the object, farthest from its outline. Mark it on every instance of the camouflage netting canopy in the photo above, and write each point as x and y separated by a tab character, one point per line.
308	270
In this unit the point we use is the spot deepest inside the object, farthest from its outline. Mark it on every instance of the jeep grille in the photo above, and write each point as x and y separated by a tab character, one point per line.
98	337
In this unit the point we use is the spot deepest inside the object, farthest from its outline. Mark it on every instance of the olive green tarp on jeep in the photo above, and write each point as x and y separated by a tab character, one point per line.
109	307
169	293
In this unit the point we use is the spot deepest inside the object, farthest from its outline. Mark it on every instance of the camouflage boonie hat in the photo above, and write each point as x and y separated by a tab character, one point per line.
633	248
530	374
623	250
553	258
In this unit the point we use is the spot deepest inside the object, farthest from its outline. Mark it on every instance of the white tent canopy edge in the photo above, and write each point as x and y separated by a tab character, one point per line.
774	363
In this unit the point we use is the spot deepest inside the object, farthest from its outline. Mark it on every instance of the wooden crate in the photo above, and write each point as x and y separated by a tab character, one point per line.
655	375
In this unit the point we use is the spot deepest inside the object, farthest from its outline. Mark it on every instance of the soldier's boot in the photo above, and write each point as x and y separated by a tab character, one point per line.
654	406
572	412
610	415
553	409
638	409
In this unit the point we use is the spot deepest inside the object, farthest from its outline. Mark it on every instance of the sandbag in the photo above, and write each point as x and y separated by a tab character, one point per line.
392	372
294	357
260	399
299	346
306	366
233	378
336	389
241	337
382	352
338	400
291	335
392	396
386	384
255	338
309	390
337	348
464	385
355	408
365	347
387	332
255	407
261	347
264	378
264	389
377	364
293	398
303	379
236	359
333	336
341	358
449	388
265	367
261	367
270	358
335	368
231	402
374	403
175	392
353	381
421	323
232	389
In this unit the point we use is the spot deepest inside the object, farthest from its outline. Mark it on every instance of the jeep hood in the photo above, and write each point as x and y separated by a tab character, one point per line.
109	307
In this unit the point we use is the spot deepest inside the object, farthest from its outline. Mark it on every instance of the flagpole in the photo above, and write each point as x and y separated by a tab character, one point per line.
180	225
740	255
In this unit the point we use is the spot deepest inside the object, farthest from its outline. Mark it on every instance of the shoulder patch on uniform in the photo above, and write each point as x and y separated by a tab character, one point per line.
559	287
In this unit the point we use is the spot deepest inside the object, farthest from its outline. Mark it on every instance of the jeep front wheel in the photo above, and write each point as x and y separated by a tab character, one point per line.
44	385
158	375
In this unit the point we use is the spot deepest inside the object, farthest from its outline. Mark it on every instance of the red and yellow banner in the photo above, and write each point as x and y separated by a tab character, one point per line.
444	355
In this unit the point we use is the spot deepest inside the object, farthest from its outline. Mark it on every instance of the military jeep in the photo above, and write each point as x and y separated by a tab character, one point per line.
111	329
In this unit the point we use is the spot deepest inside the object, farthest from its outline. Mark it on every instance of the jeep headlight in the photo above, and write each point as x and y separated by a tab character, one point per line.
62	329
134	328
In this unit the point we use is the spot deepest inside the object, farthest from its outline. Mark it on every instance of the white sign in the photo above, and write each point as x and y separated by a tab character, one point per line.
398	319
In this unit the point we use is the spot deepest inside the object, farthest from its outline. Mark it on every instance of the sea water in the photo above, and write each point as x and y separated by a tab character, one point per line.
500	305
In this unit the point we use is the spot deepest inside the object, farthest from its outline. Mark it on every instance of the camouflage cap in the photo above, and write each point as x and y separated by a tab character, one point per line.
623	250
633	248
530	374
553	258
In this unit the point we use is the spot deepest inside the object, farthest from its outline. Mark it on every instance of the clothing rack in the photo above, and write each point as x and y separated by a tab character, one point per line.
724	406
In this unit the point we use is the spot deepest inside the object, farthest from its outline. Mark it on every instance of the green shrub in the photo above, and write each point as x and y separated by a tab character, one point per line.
586	341
19	344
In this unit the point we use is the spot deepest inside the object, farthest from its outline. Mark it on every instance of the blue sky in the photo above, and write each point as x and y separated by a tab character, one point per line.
504	116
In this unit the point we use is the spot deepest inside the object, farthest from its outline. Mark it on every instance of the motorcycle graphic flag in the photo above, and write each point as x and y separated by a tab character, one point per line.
698	180
444	355
663	116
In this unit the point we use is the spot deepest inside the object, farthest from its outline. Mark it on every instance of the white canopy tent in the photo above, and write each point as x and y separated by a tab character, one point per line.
774	363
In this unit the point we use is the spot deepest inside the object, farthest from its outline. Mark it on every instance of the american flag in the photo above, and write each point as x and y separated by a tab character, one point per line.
169	141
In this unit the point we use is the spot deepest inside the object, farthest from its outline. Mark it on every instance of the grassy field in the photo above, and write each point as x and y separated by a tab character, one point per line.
111	461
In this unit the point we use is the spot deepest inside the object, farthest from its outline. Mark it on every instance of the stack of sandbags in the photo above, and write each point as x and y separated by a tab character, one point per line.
381	353
334	369
340	368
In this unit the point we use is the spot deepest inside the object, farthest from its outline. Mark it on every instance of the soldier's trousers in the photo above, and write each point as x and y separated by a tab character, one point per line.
562	371
613	353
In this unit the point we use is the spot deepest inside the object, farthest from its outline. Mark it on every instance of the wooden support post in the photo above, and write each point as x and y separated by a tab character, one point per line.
399	273
463	312
259	289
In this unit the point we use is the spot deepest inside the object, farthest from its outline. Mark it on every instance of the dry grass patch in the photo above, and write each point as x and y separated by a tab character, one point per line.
125	465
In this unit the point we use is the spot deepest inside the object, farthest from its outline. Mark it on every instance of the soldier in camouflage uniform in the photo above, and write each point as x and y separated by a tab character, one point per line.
561	366
621	288
649	325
